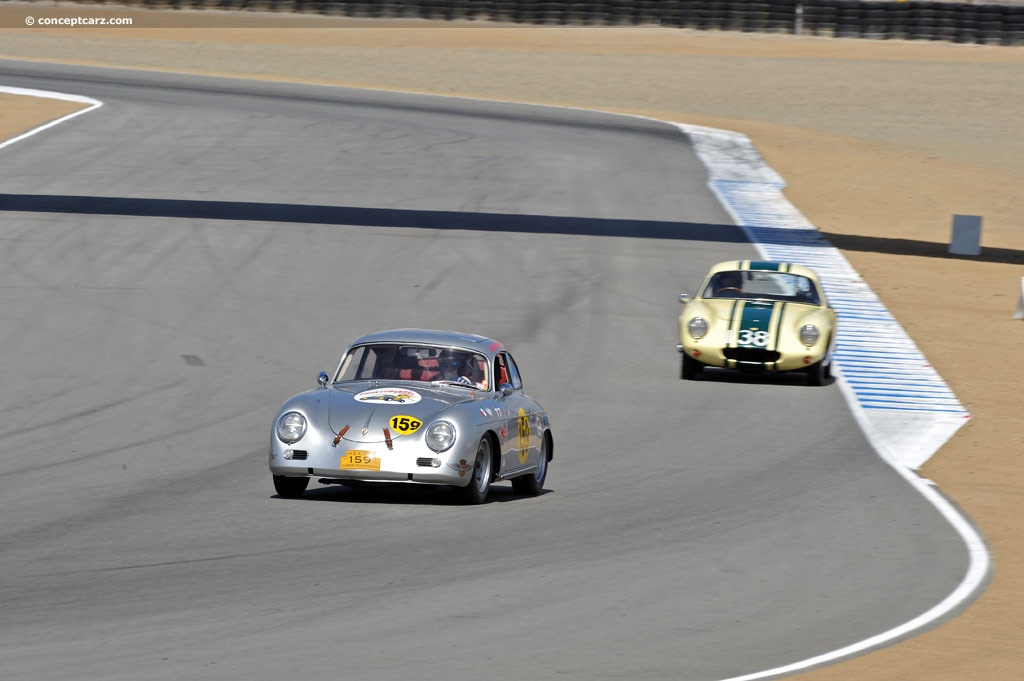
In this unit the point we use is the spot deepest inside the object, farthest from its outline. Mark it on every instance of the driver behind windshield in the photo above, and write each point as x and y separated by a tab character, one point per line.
727	284
458	367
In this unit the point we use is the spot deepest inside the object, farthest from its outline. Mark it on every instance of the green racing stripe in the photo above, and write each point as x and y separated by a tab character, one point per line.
767	266
756	317
749	319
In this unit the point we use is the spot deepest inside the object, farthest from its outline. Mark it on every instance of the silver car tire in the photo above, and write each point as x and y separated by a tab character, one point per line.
290	488
532	484
480	478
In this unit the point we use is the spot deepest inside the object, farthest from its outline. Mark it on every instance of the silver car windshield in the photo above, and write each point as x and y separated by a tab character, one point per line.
762	285
393	362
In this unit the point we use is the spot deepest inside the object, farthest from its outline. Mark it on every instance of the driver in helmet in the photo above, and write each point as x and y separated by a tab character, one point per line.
455	366
728	284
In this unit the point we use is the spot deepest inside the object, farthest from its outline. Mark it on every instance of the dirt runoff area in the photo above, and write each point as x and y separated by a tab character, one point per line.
880	142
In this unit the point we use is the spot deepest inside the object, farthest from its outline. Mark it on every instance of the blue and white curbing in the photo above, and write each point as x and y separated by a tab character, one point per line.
905	408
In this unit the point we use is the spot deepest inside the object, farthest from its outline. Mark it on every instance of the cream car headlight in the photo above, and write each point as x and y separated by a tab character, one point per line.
291	427
440	436
697	327
809	334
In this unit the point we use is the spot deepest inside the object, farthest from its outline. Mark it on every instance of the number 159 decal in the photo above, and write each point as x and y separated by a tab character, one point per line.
403	425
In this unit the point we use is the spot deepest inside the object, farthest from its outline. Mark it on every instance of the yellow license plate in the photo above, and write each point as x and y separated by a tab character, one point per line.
359	459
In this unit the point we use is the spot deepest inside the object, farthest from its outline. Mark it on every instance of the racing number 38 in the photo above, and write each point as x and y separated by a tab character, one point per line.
756	338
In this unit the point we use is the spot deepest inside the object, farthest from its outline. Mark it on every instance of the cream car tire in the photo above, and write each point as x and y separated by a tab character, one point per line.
818	373
690	368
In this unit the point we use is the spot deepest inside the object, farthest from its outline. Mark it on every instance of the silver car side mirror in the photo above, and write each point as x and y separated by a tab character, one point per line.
684	298
322	379
506	389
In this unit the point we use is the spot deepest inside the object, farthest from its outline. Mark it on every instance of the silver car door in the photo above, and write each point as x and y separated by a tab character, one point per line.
528	440
508	407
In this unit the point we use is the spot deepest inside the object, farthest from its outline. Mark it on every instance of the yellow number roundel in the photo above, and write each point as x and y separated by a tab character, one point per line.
524	435
403	425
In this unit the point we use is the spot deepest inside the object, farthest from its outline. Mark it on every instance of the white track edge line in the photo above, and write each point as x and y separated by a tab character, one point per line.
93	104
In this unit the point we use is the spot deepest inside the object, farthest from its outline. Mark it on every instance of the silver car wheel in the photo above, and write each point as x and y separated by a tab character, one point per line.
542	465
532	484
290	488
480	484
482	467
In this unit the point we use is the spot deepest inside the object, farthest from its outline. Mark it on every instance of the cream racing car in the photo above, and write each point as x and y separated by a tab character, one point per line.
759	317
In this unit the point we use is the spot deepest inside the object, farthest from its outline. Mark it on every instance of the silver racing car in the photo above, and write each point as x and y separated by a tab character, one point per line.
415	406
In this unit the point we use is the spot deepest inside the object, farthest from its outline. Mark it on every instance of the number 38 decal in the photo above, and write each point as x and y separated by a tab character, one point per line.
756	338
403	425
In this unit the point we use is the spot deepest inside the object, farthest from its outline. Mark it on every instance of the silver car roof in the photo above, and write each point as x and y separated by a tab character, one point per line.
470	341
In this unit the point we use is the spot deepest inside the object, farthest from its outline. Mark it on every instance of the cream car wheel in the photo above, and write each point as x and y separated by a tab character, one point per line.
690	368
818	373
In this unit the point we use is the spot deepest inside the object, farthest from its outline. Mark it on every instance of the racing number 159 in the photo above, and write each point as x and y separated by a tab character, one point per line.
405	424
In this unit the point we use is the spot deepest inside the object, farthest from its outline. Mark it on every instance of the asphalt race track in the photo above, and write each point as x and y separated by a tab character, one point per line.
179	261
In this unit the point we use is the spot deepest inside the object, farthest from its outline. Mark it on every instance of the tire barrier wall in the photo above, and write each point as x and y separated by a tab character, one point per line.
989	24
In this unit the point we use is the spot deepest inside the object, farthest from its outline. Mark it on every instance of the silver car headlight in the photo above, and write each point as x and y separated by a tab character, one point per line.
440	436
697	327
809	334
291	427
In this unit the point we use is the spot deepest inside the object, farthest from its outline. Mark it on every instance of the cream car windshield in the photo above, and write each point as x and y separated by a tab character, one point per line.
397	362
762	285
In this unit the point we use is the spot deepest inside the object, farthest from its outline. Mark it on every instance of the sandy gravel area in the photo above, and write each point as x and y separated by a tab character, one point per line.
881	142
